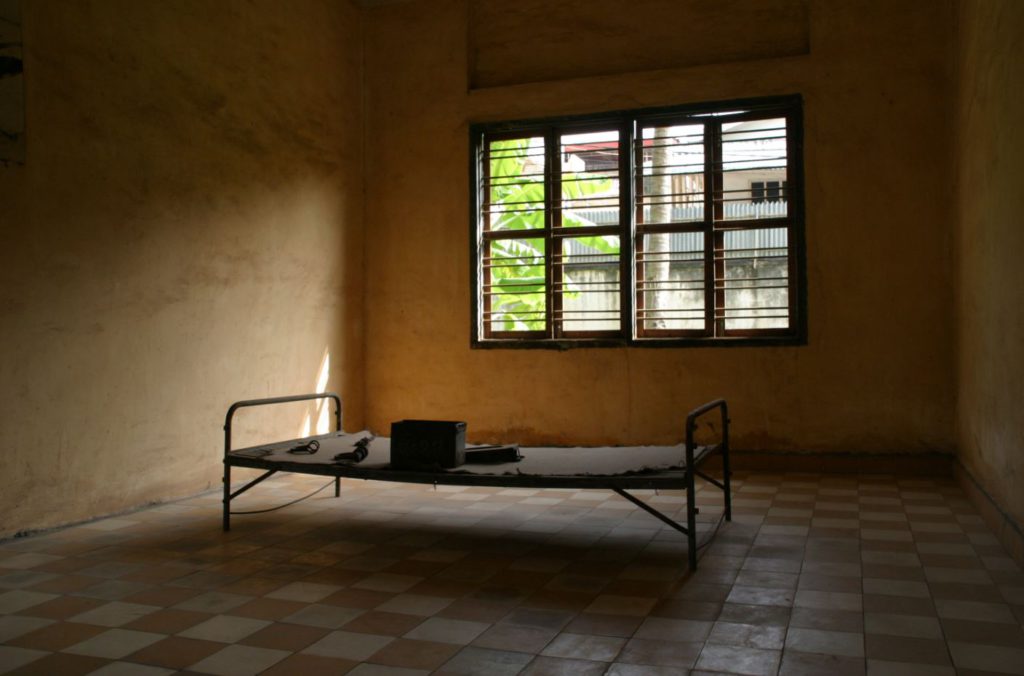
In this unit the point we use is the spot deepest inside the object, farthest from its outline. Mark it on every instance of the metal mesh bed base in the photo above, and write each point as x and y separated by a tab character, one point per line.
616	468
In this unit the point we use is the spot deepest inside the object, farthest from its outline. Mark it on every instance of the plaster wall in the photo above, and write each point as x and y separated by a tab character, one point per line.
185	232
990	210
877	373
543	40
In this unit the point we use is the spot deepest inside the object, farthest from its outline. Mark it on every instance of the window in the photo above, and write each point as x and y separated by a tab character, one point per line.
773	190
653	227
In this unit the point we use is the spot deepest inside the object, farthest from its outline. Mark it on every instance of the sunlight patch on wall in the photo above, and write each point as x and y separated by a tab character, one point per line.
322	408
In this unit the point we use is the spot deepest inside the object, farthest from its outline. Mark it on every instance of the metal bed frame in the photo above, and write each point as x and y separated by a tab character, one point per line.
673	479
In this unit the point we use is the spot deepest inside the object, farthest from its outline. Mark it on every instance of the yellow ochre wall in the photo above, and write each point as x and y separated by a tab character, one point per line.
186	232
878	372
217	195
990	213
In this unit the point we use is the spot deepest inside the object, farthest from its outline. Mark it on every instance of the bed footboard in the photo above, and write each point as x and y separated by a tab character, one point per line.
228	495
693	469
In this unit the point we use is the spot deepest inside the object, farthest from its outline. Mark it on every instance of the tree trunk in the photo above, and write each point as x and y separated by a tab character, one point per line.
656	267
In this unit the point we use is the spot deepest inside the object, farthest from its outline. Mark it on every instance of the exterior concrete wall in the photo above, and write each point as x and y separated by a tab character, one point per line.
878	373
990	210
186	232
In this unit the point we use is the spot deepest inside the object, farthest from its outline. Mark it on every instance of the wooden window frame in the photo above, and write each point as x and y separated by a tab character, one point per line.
630	125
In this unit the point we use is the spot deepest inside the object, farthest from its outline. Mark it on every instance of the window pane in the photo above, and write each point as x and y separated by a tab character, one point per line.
590	284
514	280
515	185
756	282
671	282
753	168
673	174
590	179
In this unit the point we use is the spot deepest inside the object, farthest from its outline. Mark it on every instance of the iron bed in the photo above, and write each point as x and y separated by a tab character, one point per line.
619	469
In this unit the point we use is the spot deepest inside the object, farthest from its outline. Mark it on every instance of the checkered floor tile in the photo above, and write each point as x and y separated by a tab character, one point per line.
815	574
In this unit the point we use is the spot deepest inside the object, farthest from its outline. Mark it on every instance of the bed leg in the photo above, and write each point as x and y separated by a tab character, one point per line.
337	486
726	474
227	497
691	518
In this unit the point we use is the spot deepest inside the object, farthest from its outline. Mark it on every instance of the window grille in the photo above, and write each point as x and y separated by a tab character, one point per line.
658	227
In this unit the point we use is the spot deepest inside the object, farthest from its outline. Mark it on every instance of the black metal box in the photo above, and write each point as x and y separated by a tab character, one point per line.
427	444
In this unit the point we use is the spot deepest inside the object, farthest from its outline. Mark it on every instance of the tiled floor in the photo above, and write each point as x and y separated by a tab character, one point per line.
815	575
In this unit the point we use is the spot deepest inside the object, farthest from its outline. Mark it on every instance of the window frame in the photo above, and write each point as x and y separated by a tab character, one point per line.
629	124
